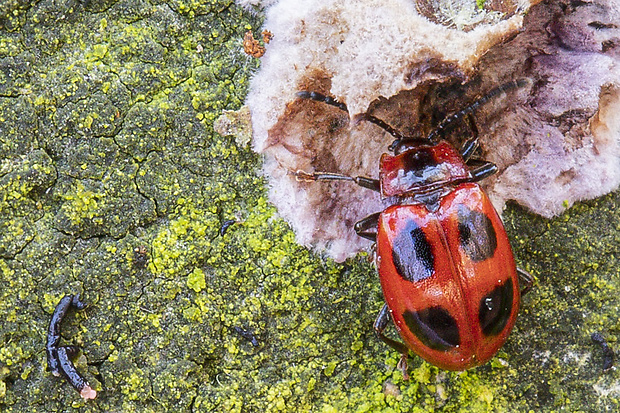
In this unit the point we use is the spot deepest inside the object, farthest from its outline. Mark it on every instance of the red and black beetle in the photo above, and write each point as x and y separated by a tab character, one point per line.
447	271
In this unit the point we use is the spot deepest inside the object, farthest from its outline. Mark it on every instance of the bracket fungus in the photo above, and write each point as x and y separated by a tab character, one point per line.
555	142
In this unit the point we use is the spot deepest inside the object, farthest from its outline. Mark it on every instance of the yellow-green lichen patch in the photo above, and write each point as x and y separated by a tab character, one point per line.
95	201
21	177
196	280
18	119
74	224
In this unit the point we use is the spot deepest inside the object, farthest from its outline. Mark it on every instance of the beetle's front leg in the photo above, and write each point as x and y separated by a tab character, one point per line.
383	318
362	181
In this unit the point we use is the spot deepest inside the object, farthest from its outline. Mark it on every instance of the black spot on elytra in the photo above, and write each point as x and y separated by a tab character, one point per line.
434	326
412	254
476	233
495	309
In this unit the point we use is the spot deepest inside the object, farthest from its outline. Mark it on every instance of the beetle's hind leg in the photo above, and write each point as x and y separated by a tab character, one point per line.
526	280
383	318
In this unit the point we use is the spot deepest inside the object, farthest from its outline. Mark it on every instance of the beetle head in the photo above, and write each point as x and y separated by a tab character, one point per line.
406	144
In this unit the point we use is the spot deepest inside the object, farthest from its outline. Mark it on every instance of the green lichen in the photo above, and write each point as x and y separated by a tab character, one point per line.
114	184
196	280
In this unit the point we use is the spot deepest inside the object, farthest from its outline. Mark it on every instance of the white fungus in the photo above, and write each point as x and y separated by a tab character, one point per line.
555	142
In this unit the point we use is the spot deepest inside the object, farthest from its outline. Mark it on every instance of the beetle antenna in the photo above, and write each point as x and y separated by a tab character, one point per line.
304	94
506	87
382	124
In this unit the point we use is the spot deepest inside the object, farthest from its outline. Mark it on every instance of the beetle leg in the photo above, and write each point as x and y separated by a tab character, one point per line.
468	148
526	279
402	366
363	226
383	318
362	181
372	257
482	170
